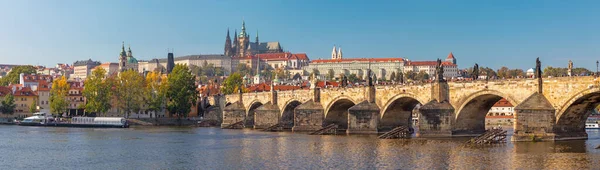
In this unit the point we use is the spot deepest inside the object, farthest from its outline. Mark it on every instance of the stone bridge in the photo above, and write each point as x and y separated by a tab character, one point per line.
446	108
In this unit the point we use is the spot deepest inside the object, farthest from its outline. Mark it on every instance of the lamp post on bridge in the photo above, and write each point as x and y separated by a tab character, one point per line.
596	68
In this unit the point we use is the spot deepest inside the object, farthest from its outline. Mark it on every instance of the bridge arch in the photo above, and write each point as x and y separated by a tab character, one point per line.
250	112
571	116
337	112
287	113
470	116
398	112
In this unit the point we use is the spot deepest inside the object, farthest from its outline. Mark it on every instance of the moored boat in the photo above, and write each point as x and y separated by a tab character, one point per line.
42	119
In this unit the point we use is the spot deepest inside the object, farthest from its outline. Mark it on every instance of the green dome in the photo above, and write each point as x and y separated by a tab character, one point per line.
131	60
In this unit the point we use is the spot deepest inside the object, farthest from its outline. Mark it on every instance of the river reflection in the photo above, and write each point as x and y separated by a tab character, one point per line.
214	148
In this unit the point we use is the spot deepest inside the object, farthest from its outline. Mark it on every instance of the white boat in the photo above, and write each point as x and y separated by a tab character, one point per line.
592	123
43	119
39	118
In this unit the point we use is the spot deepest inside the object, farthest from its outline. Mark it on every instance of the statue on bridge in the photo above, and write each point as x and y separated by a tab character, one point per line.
439	70
570	68
538	68
344	81
370	82
475	74
401	77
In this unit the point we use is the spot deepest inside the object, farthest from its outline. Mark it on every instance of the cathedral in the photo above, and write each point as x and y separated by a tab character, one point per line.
242	46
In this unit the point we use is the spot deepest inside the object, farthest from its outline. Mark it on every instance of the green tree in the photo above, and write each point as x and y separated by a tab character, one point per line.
97	92
330	74
503	72
13	75
129	92
156	92
243	69
219	71
352	78
232	83
33	106
196	70
410	75
58	96
422	75
182	93
8	105
579	71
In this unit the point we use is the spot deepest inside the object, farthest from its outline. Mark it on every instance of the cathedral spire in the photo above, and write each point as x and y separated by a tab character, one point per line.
227	50
339	53
243	33
256	37
334	53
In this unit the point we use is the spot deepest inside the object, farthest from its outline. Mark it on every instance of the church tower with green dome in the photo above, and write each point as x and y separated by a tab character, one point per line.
126	60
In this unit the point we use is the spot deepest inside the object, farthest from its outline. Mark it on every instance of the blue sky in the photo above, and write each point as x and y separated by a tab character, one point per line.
491	33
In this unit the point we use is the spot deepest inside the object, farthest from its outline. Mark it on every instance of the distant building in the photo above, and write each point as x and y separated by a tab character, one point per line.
110	68
501	113
530	73
380	67
82	69
24	98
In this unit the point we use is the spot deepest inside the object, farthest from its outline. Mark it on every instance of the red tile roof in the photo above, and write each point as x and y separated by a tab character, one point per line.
282	56
43	86
450	56
36	78
25	91
5	90
503	103
266	87
359	60
428	63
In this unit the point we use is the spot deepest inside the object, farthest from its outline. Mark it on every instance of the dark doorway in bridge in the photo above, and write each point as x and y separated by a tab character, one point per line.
579	115
287	117
398	113
483	112
249	121
338	114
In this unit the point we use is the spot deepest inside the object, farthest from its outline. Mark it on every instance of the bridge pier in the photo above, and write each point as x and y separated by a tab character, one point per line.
266	115
309	115
535	119
363	117
436	119
235	112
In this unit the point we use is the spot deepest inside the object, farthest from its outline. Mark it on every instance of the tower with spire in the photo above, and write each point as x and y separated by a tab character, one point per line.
228	46
243	40
339	54
122	58
334	53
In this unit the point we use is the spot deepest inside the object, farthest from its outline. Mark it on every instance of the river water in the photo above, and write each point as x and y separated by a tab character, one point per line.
214	148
